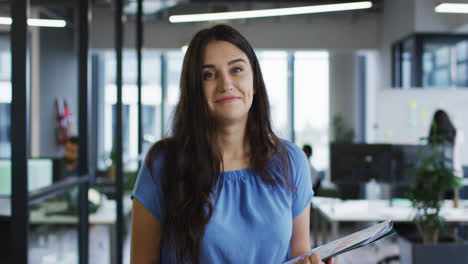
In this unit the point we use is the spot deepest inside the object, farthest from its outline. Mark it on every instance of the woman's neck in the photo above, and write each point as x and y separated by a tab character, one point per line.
234	147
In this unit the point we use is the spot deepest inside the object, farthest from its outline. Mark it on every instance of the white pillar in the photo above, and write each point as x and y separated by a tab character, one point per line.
344	92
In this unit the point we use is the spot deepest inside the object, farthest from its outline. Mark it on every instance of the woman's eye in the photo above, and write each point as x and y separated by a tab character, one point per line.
208	75
237	69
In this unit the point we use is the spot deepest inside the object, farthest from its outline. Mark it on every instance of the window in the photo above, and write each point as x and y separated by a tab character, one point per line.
174	69
311	111
431	60
461	63
274	66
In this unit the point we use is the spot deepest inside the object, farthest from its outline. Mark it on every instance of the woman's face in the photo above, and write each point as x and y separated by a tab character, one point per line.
227	82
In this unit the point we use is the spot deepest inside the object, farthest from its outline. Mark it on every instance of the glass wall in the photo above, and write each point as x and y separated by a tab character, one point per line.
53	236
311	111
54	119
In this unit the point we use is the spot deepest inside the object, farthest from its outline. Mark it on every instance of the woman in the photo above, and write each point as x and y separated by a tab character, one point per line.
224	188
443	133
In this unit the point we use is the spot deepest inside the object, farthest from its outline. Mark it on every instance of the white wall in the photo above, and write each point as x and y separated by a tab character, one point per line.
373	79
404	116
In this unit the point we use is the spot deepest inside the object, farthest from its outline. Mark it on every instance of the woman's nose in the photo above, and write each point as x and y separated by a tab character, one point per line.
224	83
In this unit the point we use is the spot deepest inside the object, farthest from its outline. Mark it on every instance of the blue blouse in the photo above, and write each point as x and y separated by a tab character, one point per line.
251	221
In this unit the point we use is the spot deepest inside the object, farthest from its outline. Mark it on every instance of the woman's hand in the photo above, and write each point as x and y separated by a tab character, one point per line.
314	259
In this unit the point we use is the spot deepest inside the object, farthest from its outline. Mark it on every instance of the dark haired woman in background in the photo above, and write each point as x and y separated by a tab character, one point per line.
443	132
223	188
442	129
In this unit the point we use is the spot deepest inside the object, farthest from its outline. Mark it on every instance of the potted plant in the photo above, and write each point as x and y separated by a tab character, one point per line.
341	134
432	178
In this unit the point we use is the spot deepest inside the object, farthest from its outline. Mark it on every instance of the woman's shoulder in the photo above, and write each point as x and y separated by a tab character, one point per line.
293	150
157	153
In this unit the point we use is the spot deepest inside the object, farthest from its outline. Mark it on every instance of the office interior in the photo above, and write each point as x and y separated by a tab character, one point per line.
351	84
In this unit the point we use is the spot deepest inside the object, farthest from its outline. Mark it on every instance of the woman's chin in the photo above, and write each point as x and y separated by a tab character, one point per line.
229	120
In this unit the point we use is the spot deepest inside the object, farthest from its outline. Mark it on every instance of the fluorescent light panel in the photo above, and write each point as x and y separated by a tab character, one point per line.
270	12
452	8
36	22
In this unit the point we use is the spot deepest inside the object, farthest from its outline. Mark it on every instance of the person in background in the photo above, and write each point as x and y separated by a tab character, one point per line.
70	158
443	131
223	188
314	174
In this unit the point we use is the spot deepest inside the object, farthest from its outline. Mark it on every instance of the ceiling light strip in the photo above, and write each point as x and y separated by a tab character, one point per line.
270	12
451	8
37	22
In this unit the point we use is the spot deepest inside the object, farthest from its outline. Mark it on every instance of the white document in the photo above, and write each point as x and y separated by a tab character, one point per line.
352	241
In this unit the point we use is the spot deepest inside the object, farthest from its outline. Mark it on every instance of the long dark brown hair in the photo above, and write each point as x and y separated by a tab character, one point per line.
442	129
192	160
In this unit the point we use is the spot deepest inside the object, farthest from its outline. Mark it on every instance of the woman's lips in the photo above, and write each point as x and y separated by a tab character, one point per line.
226	100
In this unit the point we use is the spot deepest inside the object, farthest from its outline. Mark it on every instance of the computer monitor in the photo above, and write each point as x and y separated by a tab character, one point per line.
40	174
352	163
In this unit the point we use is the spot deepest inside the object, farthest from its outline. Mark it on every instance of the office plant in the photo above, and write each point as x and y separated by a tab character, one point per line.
432	177
341	134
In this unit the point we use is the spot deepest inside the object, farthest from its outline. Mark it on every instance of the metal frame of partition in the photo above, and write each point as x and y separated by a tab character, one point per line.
118	133
139	46
19	132
84	128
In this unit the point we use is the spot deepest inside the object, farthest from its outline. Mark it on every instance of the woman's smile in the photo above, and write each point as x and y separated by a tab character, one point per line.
227	99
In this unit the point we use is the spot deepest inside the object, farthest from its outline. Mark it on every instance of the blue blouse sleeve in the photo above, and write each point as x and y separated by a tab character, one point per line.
300	174
148	190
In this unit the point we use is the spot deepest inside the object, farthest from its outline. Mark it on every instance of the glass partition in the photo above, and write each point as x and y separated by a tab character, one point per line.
53	230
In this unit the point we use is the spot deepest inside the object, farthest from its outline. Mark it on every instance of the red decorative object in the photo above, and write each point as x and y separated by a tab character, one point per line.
63	121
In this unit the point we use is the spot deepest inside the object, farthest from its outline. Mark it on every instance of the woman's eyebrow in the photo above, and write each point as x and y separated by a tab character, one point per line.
208	66
229	63
237	60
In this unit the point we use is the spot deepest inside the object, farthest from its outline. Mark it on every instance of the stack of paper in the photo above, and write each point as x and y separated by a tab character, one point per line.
350	242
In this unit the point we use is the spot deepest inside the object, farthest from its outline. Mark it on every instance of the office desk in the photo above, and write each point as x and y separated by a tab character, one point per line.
332	211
